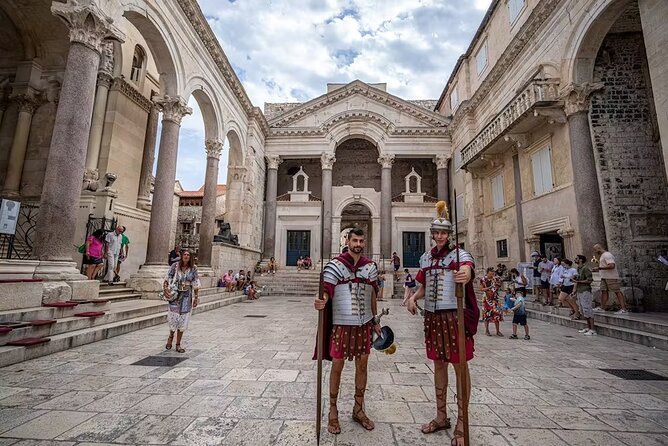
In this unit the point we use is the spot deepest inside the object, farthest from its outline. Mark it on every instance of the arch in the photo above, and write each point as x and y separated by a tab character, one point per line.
356	200
236	156
586	39
160	45
27	34
202	91
365	125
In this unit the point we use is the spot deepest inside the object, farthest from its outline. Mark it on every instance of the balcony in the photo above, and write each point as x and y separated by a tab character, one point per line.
537	101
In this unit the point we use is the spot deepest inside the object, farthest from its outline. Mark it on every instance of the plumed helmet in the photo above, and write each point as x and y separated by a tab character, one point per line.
385	342
442	222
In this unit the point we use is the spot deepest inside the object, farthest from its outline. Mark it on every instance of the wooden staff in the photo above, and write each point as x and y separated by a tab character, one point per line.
462	381
321	336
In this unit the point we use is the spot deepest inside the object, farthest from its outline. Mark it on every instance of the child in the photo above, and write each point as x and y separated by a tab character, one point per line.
520	316
409	286
381	284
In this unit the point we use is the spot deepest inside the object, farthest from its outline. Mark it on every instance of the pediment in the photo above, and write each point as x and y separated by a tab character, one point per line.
358	101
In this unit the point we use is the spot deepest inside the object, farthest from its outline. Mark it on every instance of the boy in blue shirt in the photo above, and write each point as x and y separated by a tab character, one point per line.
520	315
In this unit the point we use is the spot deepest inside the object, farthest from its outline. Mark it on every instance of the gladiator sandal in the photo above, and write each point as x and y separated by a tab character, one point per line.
333	426
358	410
458	434
441	407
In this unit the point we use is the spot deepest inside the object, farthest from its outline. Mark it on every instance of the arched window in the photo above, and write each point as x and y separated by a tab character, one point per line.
138	62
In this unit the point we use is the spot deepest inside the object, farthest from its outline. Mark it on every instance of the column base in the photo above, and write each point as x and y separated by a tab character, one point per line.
144	203
148	280
207	277
62	281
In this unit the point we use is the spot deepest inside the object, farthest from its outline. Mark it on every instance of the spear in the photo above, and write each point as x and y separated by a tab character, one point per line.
321	334
462	384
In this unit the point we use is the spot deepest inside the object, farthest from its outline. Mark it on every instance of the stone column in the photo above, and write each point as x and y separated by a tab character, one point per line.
174	108
327	161
443	178
273	161
27	104
386	160
519	216
587	195
59	203
567	234
213	149
148	157
534	243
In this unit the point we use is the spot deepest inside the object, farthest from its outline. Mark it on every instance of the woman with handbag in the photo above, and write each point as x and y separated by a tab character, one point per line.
181	290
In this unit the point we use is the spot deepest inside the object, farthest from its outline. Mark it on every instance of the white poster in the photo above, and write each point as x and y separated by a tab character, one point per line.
9	215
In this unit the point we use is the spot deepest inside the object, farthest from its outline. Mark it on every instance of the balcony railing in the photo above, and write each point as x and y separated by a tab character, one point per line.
536	93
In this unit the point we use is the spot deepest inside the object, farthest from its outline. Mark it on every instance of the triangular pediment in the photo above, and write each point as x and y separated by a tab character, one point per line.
358	101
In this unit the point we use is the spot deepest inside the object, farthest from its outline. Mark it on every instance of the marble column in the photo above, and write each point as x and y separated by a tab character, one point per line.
214	147
148	157
273	161
591	224
327	161
442	178
174	108
386	160
519	216
97	123
59	204
27	105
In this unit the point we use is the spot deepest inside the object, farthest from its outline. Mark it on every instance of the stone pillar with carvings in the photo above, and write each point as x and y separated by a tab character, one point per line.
273	161
327	161
214	147
174	108
104	79
27	105
148	157
386	160
443	178
534	243
89	26
587	194
567	234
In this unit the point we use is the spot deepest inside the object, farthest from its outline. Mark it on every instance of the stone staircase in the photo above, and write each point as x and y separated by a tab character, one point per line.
47	329
288	281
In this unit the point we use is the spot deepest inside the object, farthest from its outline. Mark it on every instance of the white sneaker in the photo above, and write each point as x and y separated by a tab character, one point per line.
590	333
621	312
584	330
598	310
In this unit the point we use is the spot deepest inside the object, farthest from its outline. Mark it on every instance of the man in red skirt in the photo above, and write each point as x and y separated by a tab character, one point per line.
350	283
436	284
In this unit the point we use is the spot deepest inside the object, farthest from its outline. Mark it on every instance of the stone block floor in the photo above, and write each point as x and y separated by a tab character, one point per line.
251	381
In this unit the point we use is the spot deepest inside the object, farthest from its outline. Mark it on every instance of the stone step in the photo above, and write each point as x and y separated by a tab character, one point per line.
30	314
11	355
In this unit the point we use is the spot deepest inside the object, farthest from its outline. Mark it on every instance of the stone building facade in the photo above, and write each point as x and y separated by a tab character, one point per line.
189	216
559	115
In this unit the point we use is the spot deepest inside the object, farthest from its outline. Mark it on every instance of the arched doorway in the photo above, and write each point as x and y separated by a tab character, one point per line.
356	215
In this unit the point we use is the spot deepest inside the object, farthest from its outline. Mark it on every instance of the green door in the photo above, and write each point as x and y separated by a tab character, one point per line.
299	245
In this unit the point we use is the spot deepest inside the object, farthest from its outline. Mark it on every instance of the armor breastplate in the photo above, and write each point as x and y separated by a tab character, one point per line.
439	293
351	303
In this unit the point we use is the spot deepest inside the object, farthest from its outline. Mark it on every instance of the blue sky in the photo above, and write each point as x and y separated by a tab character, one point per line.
288	50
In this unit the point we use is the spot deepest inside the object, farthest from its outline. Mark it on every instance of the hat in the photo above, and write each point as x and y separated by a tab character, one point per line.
535	254
385	342
442	222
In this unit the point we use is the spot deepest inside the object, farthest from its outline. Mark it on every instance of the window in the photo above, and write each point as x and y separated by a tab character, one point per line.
454	99
502	248
196	228
498	200
481	58
514	9
137	64
459	203
185	228
542	171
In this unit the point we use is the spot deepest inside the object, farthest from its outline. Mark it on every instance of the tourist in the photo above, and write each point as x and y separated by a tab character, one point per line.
535	280
519	280
240	279
490	284
555	278
545	266
350	334
300	263
251	290
93	254
585	298
519	316
272	266
183	278
501	271
609	280
228	281
123	255
308	263
440	318
174	255
566	294
113	250
396	263
409	286
248	277
381	284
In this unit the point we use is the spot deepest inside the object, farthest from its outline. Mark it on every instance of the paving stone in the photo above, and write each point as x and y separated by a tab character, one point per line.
296	409
8	391
206	431
523	416
285	390
159	404
30	397
12	417
626	420
403	393
249	432
244	407
245	388
155	429
115	402
104	427
72	400
279	375
206	387
354	434
572	418
588	438
302	433
49	425
205	406
639	439
525	437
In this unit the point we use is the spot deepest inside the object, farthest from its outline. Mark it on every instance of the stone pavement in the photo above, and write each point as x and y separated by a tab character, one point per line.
250	381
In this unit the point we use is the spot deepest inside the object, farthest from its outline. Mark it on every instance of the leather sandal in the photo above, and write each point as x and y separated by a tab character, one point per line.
434	426
458	434
359	416
170	339
333	426
179	349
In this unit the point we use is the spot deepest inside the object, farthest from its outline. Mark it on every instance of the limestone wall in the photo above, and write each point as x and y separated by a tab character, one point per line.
225	257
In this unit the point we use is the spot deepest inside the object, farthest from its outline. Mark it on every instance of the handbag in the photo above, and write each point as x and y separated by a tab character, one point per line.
174	294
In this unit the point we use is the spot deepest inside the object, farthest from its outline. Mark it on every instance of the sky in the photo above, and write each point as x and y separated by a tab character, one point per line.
288	50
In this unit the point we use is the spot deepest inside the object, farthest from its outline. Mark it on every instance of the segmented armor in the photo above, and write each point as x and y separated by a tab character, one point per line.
351	302
439	293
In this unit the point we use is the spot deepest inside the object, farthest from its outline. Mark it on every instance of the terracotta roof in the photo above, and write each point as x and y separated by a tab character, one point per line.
199	193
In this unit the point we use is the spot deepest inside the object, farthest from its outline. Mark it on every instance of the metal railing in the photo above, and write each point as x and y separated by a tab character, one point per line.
19	246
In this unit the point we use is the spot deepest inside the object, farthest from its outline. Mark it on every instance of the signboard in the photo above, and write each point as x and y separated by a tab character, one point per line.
9	216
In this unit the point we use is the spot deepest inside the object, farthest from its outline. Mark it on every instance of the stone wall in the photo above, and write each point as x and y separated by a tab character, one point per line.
225	257
424	167
631	168
353	157
312	168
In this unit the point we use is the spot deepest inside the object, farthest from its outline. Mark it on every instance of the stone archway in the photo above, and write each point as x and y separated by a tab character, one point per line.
357	215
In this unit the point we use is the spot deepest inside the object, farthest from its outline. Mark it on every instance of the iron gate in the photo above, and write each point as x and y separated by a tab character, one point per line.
19	246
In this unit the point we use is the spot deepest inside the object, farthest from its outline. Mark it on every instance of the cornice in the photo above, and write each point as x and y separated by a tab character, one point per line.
358	87
131	93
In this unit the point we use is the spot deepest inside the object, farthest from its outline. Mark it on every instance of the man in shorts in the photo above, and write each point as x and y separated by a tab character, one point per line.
545	267
609	280
585	298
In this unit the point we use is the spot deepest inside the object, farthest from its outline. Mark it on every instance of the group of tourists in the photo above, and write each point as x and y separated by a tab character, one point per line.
109	246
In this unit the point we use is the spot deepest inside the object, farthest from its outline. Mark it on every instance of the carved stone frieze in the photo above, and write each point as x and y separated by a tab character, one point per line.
577	97
107	58
213	147
133	94
88	24
173	108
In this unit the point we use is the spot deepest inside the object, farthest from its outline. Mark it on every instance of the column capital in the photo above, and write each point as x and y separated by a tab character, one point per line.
273	161
213	148
27	102
566	232
88	24
441	161
327	161
577	97
104	79
386	160
173	108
